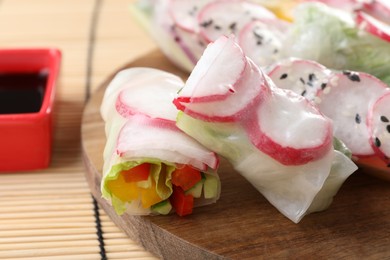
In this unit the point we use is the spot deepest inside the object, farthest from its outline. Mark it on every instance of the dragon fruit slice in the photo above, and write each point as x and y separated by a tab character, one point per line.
346	100
306	135
185	13
228	17
304	77
379	126
373	25
262	40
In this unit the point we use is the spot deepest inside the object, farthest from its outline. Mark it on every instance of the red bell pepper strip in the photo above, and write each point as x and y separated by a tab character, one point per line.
182	203
186	177
138	173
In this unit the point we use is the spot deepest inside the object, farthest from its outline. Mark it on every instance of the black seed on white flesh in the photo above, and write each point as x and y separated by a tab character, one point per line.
233	26
283	76
388	128
206	24
384	119
323	86
353	76
358	119
377	142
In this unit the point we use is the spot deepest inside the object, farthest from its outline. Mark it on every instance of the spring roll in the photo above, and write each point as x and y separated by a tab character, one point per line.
150	166
276	139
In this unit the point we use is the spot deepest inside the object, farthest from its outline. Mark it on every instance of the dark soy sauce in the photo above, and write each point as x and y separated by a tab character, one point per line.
22	92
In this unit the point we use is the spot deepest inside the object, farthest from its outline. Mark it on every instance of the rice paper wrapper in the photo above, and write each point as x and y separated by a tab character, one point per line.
295	190
140	138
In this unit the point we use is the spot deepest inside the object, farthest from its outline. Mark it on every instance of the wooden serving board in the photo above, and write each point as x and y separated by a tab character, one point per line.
242	224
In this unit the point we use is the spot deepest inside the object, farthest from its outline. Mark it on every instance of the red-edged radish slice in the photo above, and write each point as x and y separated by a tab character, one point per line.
185	12
192	45
206	83
380	9
346	100
262	40
153	99
249	92
144	98
304	77
379	126
228	17
373	25
142	136
289	128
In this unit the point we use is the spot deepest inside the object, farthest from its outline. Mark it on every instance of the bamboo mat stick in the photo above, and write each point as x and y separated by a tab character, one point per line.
135	251
46	214
72	243
116	256
47	244
55	231
62	237
45	200
28	187
54	174
49	225
48	192
42	207
70	219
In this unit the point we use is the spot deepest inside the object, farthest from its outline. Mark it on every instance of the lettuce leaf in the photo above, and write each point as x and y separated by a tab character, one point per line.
331	37
161	173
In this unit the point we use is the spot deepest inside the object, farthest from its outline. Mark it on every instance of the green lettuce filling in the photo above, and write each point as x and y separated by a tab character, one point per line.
161	172
332	38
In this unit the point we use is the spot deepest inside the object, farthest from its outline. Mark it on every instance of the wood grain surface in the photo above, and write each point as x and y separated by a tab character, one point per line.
242	224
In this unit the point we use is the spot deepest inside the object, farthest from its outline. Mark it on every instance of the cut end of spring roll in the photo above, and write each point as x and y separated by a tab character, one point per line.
150	166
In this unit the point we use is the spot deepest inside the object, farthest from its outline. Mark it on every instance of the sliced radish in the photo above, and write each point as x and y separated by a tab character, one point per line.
142	97
142	136
262	40
379	126
304	77
346	100
143	81
380	9
191	44
206	83
249	91
185	12
228	17
373	25
289	128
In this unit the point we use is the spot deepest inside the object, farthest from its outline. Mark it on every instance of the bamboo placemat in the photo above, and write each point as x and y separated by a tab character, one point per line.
50	214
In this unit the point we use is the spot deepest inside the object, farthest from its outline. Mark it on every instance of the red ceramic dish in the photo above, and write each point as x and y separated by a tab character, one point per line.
27	87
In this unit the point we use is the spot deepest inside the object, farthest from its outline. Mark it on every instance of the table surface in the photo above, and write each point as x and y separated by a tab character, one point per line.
50	214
